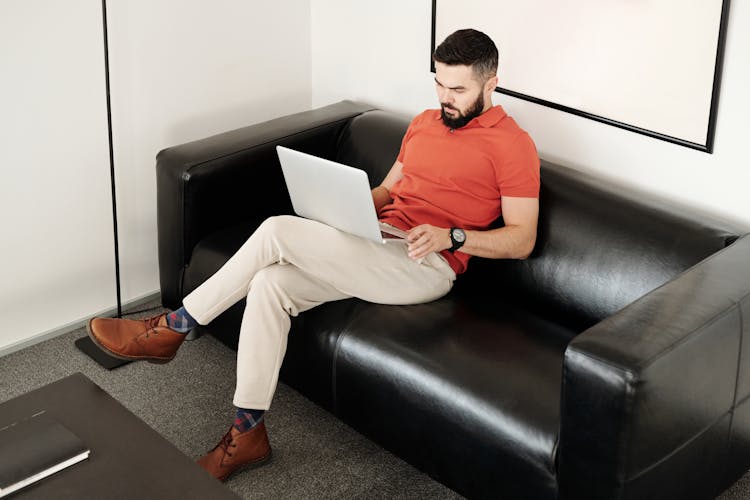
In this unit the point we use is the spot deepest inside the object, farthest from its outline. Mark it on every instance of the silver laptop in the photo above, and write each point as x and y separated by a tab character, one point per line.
334	194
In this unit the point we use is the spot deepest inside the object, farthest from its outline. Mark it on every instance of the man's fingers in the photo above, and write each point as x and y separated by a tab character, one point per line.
423	240
420	241
415	233
421	247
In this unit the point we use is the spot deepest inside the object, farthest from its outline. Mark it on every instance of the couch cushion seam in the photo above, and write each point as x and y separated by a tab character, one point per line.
628	376
694	333
677	449
742	401
642	363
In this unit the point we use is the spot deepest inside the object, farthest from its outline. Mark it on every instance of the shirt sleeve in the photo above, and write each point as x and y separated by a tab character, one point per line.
518	175
407	136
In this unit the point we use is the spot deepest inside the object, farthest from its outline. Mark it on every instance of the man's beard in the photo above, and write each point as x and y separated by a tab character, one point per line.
462	118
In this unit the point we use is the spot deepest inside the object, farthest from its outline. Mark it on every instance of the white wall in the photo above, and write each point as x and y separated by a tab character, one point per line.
56	250
385	61
183	70
180	70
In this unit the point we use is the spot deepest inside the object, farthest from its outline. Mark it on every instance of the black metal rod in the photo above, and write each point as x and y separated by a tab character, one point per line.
111	160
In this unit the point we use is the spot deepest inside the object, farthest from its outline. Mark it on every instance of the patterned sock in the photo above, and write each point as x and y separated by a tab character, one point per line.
247	419
181	321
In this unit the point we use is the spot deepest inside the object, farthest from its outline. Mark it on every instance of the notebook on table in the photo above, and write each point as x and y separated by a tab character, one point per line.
35	448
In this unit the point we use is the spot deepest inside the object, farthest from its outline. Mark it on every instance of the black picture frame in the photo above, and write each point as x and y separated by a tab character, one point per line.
707	146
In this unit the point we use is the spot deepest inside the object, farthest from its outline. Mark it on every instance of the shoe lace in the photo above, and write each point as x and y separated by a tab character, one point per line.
226	443
151	324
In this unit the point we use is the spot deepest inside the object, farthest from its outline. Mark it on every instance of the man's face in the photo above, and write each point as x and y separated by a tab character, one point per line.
461	96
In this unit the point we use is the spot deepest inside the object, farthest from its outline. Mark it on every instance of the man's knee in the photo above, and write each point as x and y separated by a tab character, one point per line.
276	278
265	276
278	224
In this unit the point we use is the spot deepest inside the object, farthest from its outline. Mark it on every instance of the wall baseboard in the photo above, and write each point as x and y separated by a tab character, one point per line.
75	325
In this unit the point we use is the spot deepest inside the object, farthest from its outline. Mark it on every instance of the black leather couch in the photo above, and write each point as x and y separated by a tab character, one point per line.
613	363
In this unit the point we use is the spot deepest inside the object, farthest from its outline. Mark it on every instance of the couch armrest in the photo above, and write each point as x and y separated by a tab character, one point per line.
649	394
233	177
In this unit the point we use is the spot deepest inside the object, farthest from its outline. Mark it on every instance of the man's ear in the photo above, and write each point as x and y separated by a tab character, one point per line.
491	84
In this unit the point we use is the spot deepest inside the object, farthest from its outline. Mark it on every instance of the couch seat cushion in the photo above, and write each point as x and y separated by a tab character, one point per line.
489	375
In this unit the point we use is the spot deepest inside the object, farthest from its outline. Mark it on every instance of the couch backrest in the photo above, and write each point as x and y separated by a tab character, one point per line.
372	142
599	247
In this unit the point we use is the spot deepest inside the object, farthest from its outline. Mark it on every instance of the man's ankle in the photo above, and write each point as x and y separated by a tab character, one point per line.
181	321
246	419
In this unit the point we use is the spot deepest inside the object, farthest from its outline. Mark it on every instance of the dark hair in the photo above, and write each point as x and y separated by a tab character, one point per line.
469	47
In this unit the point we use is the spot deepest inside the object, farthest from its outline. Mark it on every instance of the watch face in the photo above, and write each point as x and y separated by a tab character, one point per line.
459	235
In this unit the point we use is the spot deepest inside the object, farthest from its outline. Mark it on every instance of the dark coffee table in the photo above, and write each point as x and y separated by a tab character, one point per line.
128	458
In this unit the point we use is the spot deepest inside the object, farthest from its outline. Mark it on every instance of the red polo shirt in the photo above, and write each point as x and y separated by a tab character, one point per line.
456	177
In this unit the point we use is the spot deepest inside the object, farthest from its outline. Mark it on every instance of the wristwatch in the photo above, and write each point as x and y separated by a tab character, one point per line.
458	238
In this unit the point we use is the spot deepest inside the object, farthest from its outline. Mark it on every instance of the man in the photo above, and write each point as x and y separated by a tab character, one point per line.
459	169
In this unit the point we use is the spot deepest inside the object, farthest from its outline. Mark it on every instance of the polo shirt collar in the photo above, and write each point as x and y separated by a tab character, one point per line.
488	119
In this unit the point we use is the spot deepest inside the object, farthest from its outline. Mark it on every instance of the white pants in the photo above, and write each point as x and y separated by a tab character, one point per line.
290	265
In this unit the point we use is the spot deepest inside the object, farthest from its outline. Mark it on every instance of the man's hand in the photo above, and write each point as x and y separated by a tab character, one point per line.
425	239
381	197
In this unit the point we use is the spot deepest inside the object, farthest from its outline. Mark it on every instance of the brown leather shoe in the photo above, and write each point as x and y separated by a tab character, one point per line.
237	450
148	339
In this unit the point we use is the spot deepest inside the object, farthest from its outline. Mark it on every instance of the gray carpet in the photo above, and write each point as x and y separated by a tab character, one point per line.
188	401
